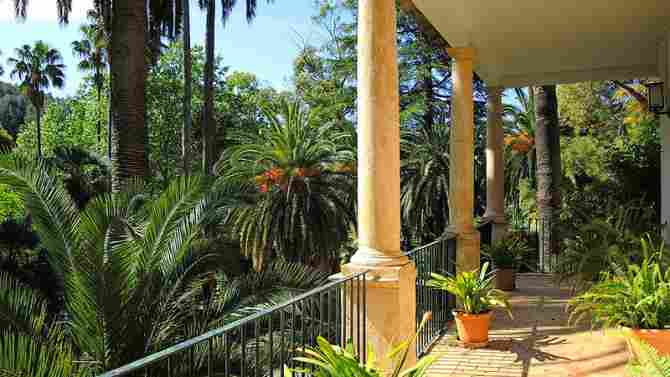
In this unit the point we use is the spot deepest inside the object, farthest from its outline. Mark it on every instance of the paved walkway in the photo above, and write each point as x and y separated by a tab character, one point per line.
537	342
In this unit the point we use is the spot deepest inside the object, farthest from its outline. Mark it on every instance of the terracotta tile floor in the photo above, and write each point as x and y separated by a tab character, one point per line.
537	342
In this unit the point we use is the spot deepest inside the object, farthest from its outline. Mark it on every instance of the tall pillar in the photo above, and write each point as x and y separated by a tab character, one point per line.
495	165
391	288
462	157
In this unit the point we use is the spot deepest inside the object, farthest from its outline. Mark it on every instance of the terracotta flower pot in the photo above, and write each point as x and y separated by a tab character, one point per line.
657	339
506	279
473	329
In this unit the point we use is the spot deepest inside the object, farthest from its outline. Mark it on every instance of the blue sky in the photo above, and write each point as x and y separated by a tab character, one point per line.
266	48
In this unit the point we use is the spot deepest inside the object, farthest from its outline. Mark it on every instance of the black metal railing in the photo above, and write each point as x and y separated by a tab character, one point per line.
438	257
486	232
262	344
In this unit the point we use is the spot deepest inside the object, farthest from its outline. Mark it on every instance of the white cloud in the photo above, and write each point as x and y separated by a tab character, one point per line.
44	10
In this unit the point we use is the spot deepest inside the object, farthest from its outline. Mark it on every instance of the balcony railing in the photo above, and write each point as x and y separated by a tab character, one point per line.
262	344
438	257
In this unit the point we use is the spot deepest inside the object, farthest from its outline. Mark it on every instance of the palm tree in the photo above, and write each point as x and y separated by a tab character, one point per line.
208	126
424	182
295	174
520	162
123	258
38	68
188	91
209	131
85	175
548	172
92	50
31	343
135	283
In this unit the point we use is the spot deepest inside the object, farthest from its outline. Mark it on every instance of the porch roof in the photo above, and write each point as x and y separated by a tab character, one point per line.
532	42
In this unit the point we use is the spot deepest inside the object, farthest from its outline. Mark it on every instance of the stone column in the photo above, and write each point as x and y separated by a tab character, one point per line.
495	165
391	288
461	157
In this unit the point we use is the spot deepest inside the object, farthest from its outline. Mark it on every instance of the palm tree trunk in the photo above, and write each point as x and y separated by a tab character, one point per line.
188	93
128	70
110	117
99	123
208	126
38	118
548	173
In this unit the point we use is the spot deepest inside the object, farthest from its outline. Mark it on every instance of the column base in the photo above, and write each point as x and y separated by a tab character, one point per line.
467	250
499	227
374	258
390	309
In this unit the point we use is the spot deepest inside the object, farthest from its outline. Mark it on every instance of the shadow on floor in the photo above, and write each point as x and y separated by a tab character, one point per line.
536	342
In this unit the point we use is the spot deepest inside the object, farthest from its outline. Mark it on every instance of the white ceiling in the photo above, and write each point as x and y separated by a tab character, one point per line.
524	42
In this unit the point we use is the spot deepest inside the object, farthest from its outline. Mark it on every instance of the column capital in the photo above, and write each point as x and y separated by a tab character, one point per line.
462	53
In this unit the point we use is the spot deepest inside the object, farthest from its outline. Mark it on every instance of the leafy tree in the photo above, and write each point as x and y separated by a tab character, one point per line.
299	204
66	122
165	113
14	110
38	68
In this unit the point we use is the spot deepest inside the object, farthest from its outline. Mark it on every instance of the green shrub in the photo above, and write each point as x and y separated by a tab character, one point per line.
635	296
510	252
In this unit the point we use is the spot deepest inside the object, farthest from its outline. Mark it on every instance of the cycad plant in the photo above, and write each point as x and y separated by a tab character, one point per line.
31	343
424	179
298	198
124	258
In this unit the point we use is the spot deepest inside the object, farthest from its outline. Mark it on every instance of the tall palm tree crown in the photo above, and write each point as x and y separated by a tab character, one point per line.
298	174
92	52
519	125
209	130
424	182
38	68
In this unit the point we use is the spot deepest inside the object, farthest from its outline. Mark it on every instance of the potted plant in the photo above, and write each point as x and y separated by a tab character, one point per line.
635	298
476	298
507	255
